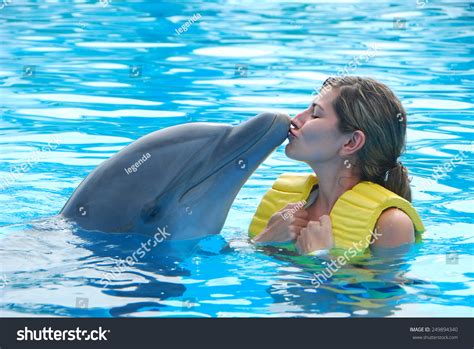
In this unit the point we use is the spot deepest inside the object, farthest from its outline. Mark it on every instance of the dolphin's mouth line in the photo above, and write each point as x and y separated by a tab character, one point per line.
231	160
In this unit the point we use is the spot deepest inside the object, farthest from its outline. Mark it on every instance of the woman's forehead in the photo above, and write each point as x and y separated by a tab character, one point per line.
324	100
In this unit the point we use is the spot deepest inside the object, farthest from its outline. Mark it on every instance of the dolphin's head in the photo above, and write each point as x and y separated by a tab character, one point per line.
217	170
184	178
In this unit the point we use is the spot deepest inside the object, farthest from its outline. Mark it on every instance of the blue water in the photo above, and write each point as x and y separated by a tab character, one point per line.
99	75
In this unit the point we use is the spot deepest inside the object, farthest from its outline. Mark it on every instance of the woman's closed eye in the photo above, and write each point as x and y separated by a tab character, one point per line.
316	111
315	114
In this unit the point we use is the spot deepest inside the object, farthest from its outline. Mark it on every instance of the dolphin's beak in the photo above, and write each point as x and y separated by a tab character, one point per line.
283	115
276	124
265	131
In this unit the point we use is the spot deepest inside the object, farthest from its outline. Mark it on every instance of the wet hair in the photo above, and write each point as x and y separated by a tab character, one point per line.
369	106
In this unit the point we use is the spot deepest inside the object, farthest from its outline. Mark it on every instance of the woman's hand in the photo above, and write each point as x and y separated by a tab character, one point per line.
284	225
317	235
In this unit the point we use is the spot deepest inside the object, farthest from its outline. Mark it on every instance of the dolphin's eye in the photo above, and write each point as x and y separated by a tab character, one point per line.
150	212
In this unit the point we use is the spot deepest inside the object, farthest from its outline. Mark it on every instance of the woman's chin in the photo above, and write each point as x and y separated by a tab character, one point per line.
292	152
289	151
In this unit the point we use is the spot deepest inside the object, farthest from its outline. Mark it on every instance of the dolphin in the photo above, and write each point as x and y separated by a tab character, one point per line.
178	182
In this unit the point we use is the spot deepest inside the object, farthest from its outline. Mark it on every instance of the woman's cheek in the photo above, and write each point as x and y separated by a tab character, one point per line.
311	137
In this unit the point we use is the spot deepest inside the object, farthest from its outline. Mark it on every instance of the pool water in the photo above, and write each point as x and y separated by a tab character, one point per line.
80	80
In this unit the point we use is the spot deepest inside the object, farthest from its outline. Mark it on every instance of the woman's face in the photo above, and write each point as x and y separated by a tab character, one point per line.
314	136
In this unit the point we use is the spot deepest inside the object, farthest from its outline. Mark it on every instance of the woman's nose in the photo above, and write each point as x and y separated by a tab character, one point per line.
299	120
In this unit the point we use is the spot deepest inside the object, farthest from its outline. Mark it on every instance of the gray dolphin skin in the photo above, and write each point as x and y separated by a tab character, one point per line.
182	179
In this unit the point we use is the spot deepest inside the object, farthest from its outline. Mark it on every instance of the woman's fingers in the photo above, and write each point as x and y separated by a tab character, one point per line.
299	222
322	231
326	227
301	214
292	205
325	221
302	241
291	235
326	230
297	228
294	230
314	226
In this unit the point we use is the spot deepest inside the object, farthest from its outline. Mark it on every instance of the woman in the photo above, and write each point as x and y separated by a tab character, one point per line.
353	131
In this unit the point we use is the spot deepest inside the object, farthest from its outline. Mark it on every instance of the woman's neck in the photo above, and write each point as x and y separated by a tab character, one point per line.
333	180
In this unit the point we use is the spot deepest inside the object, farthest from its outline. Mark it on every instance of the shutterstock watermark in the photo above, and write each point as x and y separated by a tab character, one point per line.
5	3
399	23
105	3
3	281
441	171
48	334
18	171
349	68
82	302
448	166
241	70
189	22
421	3
337	263
160	236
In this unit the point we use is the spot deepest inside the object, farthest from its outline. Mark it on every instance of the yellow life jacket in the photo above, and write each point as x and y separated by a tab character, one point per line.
353	216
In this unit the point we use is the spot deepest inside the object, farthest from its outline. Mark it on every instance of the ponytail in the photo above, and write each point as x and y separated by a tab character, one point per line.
396	180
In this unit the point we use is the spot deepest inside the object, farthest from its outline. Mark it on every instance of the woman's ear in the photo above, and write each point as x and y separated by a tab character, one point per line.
355	142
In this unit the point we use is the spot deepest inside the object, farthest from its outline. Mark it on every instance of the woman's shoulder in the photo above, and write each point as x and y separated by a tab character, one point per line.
394	228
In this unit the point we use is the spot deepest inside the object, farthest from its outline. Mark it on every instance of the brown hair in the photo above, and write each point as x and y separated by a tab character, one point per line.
370	106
